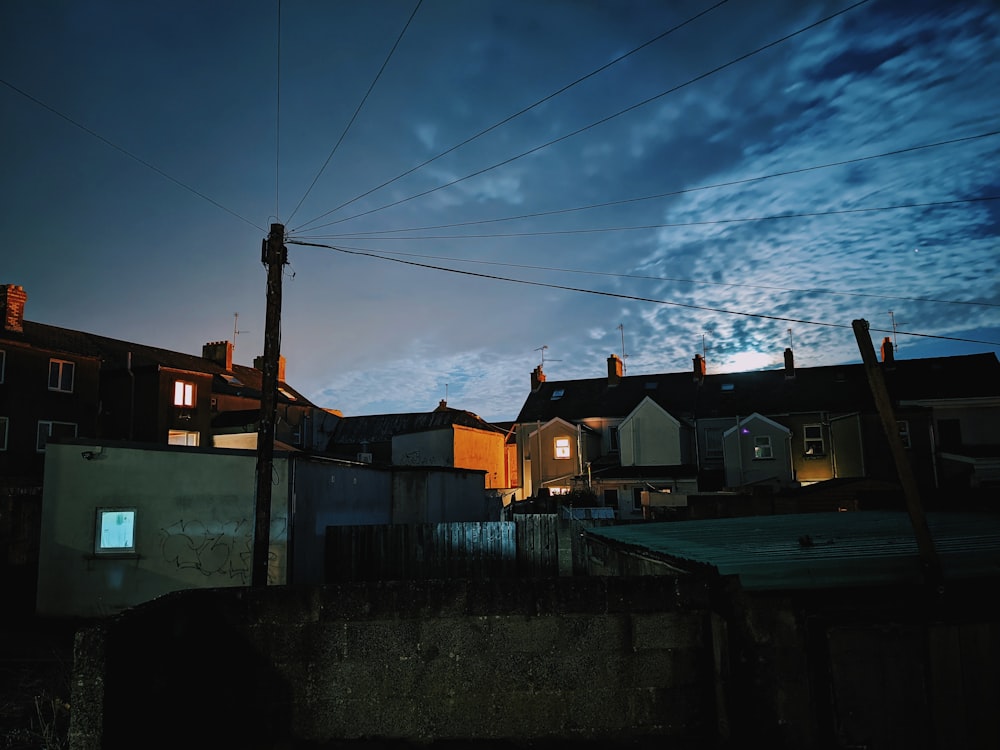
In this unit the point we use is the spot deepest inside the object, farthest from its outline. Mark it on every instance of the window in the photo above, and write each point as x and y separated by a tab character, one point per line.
813	436
3	363
713	442
904	432
611	498
562	447
637	498
557	394
4	422
115	530
183	437
762	447
47	430
183	393
61	375
613	439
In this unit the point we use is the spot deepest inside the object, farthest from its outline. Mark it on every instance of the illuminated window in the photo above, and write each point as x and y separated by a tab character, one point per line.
183	393
115	530
61	375
813	436
4	422
762	447
904	432
183	437
48	429
562	447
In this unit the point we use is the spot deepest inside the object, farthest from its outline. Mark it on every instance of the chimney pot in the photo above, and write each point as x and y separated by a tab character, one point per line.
220	352
888	358
699	368
789	363
614	370
12	299
537	378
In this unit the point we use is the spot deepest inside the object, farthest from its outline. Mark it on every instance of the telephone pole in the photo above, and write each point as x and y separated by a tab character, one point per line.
274	255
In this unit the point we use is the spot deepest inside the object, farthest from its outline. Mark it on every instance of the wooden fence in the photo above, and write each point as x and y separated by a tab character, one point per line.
528	546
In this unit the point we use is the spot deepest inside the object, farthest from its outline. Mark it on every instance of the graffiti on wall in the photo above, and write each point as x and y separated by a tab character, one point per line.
215	548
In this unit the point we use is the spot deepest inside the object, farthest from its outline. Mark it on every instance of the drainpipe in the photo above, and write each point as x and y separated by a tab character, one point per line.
131	404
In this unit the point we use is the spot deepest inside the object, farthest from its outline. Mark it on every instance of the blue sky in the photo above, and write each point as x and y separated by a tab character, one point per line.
758	175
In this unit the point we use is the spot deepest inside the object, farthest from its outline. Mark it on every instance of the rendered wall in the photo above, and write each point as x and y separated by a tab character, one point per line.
584	659
193	529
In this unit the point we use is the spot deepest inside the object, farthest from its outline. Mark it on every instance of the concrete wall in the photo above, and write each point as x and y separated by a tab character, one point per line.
193	525
585	659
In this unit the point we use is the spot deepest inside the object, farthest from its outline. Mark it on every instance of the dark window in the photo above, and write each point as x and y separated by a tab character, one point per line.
611	498
949	433
61	375
613	438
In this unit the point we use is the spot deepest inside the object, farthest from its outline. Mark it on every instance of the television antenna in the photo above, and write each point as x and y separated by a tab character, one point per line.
621	327
893	319
236	329
542	349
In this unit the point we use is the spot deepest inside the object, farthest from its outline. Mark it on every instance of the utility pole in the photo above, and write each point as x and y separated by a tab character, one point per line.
274	255
925	544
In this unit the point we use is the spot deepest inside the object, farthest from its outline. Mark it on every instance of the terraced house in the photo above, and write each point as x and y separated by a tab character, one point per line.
648	443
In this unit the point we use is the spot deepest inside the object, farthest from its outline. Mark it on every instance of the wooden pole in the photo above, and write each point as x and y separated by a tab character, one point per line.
274	256
925	545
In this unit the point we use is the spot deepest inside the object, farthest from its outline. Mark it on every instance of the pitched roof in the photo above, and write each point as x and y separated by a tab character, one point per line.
834	388
114	355
380	428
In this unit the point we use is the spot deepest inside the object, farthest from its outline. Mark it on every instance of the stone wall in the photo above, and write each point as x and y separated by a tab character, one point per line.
614	661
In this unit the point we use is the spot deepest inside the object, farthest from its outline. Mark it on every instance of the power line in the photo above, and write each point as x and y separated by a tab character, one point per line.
640	277
519	113
712	222
356	111
603	120
633	298
129	154
277	113
682	191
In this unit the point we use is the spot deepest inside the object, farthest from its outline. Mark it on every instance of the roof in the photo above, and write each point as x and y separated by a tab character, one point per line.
832	388
817	550
114	354
380	428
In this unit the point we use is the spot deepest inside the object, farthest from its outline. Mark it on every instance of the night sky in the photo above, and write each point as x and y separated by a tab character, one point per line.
490	184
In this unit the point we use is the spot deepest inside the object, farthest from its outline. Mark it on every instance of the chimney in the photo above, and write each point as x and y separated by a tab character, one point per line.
614	370
888	360
537	378
442	406
789	363
220	352
699	368
258	363
13	298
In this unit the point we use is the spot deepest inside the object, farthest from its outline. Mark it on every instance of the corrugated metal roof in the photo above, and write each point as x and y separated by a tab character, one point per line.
818	550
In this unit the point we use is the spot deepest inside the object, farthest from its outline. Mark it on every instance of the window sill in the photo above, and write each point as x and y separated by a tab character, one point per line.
112	556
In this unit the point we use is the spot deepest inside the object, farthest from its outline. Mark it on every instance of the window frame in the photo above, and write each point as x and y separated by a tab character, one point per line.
714	443
99	548
807	440
60	367
560	451
614	440
762	444
171	434
185	394
903	426
39	444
